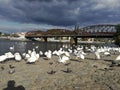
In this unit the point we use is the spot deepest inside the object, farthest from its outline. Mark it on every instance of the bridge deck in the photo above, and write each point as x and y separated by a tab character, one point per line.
78	36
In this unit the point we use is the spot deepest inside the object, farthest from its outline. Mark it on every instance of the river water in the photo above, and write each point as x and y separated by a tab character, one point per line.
24	46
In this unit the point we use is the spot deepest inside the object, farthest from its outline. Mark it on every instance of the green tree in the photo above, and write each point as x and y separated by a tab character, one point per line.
117	35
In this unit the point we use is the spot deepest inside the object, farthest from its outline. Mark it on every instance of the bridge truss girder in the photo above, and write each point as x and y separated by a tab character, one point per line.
97	29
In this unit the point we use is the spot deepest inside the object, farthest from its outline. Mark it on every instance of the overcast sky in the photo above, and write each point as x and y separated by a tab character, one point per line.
27	15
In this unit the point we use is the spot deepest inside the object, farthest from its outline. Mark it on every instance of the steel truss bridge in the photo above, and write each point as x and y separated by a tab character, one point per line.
101	30
93	31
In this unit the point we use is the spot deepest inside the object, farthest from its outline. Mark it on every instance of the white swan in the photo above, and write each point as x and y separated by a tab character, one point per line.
81	54
33	57
23	55
56	53
29	51
17	56
27	56
97	55
9	55
70	51
118	58
12	47
107	53
37	56
48	54
36	47
3	58
60	51
41	53
63	59
67	53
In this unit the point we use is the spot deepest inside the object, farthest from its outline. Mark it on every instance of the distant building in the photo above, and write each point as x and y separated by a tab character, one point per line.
21	34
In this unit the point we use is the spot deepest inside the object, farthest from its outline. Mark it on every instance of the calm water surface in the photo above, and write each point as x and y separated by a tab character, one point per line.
24	46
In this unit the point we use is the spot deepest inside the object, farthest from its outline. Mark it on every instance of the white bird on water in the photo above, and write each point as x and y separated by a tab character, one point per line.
29	51
12	47
36	47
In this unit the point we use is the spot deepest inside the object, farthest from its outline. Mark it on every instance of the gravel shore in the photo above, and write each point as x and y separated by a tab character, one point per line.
88	74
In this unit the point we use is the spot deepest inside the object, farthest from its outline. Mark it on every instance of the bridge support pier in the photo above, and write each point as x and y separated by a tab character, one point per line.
45	39
73	41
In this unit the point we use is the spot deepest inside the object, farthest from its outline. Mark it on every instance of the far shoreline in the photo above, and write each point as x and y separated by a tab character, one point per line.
59	41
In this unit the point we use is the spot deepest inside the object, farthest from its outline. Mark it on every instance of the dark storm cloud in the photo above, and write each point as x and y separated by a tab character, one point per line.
60	12
48	12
